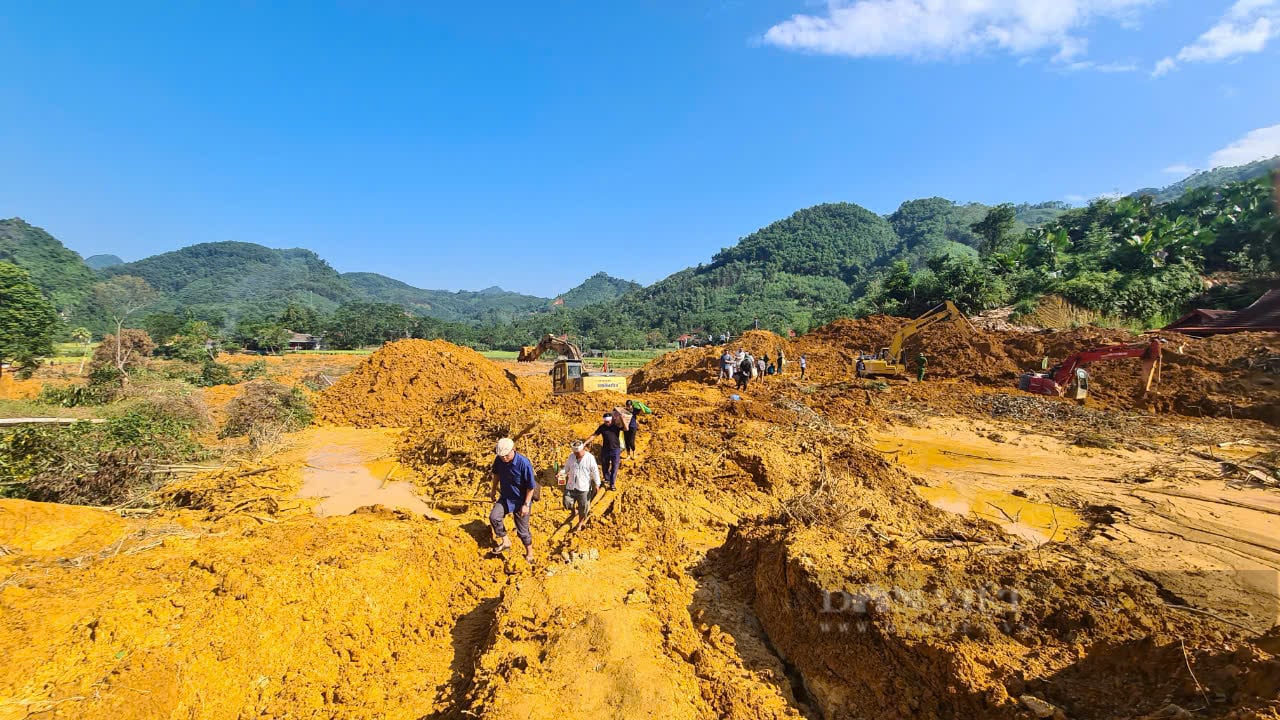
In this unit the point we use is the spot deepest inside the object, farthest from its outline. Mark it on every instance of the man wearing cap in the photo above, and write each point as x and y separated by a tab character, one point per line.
611	447
582	481
512	492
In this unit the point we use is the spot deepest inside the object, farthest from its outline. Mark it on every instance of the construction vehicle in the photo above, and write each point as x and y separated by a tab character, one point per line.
1070	373
568	374
889	360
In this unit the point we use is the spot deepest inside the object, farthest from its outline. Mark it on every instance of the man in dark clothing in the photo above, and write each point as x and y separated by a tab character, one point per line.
611	448
861	367
512	493
921	363
633	426
744	372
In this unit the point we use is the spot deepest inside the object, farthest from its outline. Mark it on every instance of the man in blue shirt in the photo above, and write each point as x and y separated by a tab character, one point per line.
512	493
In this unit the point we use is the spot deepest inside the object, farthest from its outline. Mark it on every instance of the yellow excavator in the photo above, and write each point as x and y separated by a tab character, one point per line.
889	361
568	374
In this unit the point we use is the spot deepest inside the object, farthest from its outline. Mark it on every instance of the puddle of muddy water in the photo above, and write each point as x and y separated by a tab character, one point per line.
1033	521
346	482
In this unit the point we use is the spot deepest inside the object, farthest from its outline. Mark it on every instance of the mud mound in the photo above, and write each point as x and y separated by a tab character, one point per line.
832	350
901	631
408	379
165	620
702	364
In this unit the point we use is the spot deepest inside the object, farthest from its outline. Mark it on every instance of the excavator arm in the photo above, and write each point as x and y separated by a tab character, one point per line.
529	353
944	312
1062	375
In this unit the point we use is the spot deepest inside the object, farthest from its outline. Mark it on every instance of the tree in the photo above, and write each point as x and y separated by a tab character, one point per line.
120	297
995	227
193	343
27	320
124	353
82	336
271	338
300	318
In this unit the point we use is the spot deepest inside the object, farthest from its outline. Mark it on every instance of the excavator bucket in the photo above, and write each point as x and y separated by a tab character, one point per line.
527	353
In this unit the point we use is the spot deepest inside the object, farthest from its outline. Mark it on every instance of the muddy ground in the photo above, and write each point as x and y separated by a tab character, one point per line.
818	549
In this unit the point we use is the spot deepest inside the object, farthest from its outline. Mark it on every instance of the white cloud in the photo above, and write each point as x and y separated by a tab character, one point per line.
1179	169
1102	67
1246	28
932	29
1075	199
1256	145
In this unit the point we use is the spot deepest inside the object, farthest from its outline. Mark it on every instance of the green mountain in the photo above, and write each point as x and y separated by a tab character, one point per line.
598	288
98	262
236	280
59	272
787	274
490	304
1210	178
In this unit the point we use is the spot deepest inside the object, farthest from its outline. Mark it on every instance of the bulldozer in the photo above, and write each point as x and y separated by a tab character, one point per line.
889	361
568	374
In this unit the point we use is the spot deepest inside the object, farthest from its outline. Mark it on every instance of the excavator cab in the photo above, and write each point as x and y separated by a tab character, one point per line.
566	377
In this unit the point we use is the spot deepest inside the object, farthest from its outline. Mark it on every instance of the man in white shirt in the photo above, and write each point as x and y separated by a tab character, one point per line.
582	481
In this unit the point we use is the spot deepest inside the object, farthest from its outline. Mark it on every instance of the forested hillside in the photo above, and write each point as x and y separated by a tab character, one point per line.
1133	259
59	273
228	281
598	288
1216	177
489	305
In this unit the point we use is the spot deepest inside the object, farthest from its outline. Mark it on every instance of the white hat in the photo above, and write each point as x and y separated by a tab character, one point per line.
505	446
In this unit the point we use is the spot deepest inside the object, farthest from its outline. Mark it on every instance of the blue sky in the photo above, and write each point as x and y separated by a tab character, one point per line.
528	145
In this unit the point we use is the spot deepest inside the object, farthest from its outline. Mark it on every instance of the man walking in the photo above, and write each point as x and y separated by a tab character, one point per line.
611	448
582	480
804	364
861	367
512	493
921	362
744	371
726	366
629	436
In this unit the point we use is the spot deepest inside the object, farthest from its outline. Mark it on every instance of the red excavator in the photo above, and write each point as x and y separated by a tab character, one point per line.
1071	371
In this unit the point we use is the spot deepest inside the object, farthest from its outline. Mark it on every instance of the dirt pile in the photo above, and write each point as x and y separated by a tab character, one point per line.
1227	375
169	620
702	364
832	350
408	379
905	626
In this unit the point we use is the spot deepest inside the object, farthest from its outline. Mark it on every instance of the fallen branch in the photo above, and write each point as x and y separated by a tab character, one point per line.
1215	616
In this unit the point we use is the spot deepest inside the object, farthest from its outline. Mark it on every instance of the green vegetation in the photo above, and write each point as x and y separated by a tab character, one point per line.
1216	177
117	461
599	288
491	305
230	281
1135	260
27	320
1127	258
57	271
263	410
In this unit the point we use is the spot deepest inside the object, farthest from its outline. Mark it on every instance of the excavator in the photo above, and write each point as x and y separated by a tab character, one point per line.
889	361
1071	373
567	374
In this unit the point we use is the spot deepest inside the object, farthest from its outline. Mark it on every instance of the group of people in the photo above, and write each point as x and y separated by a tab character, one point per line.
515	486
743	366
